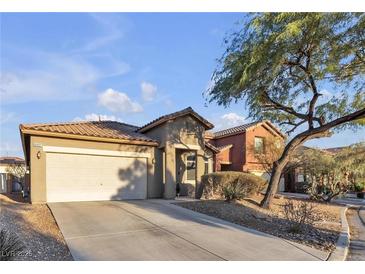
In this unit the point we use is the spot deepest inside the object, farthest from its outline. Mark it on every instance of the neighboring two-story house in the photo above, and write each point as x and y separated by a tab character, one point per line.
239	146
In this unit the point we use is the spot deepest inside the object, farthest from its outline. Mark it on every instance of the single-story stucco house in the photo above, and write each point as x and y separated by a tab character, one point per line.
108	160
8	180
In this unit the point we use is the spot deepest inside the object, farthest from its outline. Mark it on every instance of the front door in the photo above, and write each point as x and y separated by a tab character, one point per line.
185	172
190	163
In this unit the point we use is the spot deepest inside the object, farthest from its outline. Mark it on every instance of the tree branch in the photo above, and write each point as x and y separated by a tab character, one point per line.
277	105
295	127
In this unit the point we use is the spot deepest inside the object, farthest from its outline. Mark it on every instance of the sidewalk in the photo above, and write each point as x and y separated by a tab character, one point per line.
357	231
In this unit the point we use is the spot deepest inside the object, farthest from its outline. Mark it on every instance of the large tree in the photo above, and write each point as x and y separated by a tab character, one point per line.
303	71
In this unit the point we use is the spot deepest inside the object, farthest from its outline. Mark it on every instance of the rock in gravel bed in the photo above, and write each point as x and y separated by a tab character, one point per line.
36	228
321	235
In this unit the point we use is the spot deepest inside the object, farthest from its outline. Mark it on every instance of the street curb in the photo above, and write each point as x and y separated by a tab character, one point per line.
358	213
342	245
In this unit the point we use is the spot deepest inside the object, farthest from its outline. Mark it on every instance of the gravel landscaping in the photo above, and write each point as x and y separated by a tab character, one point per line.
36	228
322	234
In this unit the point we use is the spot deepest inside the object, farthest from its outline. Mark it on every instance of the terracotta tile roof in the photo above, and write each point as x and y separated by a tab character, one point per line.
212	147
224	147
101	129
233	130
244	127
11	160
174	115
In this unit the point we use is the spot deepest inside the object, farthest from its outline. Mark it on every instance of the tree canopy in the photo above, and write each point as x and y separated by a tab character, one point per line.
303	71
295	68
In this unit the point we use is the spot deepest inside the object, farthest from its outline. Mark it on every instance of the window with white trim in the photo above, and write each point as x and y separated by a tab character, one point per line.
259	145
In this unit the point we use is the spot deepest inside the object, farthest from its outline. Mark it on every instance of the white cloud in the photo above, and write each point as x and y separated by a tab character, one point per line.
233	119
113	28
149	91
118	101
55	78
228	120
325	93
97	117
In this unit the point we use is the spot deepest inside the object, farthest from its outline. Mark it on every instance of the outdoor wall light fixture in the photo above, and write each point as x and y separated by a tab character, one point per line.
38	154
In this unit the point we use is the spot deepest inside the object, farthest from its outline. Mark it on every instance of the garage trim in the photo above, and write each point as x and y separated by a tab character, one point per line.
101	152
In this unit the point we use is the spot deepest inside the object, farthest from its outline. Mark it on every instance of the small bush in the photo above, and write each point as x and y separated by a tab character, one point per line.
10	245
299	214
359	186
233	190
230	185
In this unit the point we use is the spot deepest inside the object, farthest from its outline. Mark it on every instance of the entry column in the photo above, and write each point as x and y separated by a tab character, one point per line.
170	171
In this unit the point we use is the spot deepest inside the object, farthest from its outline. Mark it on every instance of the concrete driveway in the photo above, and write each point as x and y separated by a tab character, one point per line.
159	230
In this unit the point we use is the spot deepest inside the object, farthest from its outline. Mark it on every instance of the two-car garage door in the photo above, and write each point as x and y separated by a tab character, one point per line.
85	177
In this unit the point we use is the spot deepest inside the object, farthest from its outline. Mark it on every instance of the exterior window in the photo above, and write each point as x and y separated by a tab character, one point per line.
259	145
277	143
190	167
206	166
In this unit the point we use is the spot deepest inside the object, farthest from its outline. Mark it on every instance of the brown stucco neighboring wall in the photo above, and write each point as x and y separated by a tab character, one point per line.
252	162
38	166
242	153
236	154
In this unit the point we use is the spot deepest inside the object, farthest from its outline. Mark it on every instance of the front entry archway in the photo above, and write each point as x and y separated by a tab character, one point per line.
186	170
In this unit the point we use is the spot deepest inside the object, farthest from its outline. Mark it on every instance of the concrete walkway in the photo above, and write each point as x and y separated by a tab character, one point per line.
357	232
158	230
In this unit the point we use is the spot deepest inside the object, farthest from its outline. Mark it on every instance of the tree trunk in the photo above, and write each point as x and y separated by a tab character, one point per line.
280	164
311	133
272	188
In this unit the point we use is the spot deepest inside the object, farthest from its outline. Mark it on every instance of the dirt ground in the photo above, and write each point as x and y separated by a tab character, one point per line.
35	227
322	234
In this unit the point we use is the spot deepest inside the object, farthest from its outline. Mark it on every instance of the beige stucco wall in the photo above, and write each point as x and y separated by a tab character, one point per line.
180	133
38	166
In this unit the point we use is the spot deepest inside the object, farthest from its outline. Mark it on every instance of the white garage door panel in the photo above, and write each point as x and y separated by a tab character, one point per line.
75	177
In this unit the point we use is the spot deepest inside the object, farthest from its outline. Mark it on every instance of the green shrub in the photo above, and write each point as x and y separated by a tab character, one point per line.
230	185
359	186
234	190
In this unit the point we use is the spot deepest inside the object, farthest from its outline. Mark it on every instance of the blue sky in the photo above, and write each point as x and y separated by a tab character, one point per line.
128	67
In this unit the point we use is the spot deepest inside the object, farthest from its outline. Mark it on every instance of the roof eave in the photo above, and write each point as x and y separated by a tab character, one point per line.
206	124
22	137
84	137
275	129
230	134
212	148
225	148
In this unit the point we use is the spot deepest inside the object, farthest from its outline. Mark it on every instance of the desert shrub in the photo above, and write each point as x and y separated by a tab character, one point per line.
299	214
359	186
233	190
10	245
333	174
230	185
